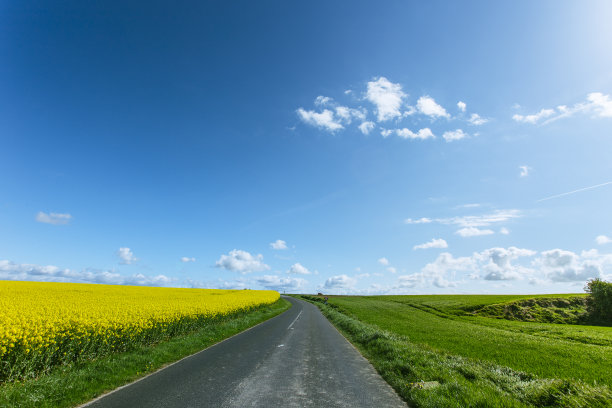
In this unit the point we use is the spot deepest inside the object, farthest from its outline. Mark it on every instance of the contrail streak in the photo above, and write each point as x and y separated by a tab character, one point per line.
575	191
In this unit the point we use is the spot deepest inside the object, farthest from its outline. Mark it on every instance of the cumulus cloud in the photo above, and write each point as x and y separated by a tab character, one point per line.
391	269
496	263
13	271
602	240
504	231
477	120
126	256
322	100
53	218
187	259
512	263
428	106
324	119
565	266
386	132
386	96
473	232
524	171
278	245
383	261
600	104
298	269
452	135
434	243
242	261
280	283
366	127
339	282
422	134
461	105
346	114
409	281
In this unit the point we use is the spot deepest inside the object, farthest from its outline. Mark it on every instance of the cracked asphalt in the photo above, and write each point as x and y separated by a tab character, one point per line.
296	359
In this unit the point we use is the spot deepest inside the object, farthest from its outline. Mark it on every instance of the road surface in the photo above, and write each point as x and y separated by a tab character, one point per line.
297	359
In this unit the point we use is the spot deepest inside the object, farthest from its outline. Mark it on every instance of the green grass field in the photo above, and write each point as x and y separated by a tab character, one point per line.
543	364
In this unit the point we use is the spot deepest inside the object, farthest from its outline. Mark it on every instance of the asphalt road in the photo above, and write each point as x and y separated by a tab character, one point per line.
297	359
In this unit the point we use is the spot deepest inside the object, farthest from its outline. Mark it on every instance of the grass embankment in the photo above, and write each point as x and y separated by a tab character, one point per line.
478	361
72	384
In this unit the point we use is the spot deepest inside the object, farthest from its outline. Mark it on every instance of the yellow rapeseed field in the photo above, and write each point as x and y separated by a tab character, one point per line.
44	324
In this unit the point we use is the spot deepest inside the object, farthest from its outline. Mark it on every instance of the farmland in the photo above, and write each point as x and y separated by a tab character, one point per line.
44	325
477	360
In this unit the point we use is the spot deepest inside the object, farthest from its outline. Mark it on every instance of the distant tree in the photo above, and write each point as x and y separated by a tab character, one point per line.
599	300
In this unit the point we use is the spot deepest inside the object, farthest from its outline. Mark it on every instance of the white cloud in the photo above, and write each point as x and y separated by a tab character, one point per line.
22	272
600	104
565	266
126	255
339	282
242	261
386	96
386	132
187	259
366	127
482	220
53	218
451	135
437	272
347	114
504	231
428	106
503	264
279	283
278	245
323	119
473	232
524	171
471	205
363	275
496	263
298	269
461	105
470	225
476	119
418	221
383	261
409	281
434	243
391	269
533	119
322	100
596	104
422	134
602	240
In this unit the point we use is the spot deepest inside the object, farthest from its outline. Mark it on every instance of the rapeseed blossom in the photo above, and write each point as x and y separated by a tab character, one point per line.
43	324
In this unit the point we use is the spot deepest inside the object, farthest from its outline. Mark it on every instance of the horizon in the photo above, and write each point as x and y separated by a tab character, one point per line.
360	149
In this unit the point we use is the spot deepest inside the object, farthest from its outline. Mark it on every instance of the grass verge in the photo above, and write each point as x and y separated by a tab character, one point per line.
463	382
73	384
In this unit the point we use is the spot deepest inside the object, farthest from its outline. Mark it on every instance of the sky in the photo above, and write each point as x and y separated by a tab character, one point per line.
337	147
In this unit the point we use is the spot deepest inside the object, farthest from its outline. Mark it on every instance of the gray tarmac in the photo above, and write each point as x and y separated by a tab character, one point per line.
297	359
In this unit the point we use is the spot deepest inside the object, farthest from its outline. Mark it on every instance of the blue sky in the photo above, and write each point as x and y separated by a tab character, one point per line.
341	147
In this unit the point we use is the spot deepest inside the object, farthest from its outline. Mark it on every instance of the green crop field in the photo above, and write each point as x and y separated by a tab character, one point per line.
480	360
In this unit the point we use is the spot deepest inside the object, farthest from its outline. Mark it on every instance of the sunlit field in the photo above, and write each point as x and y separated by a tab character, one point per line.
477	360
46	324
